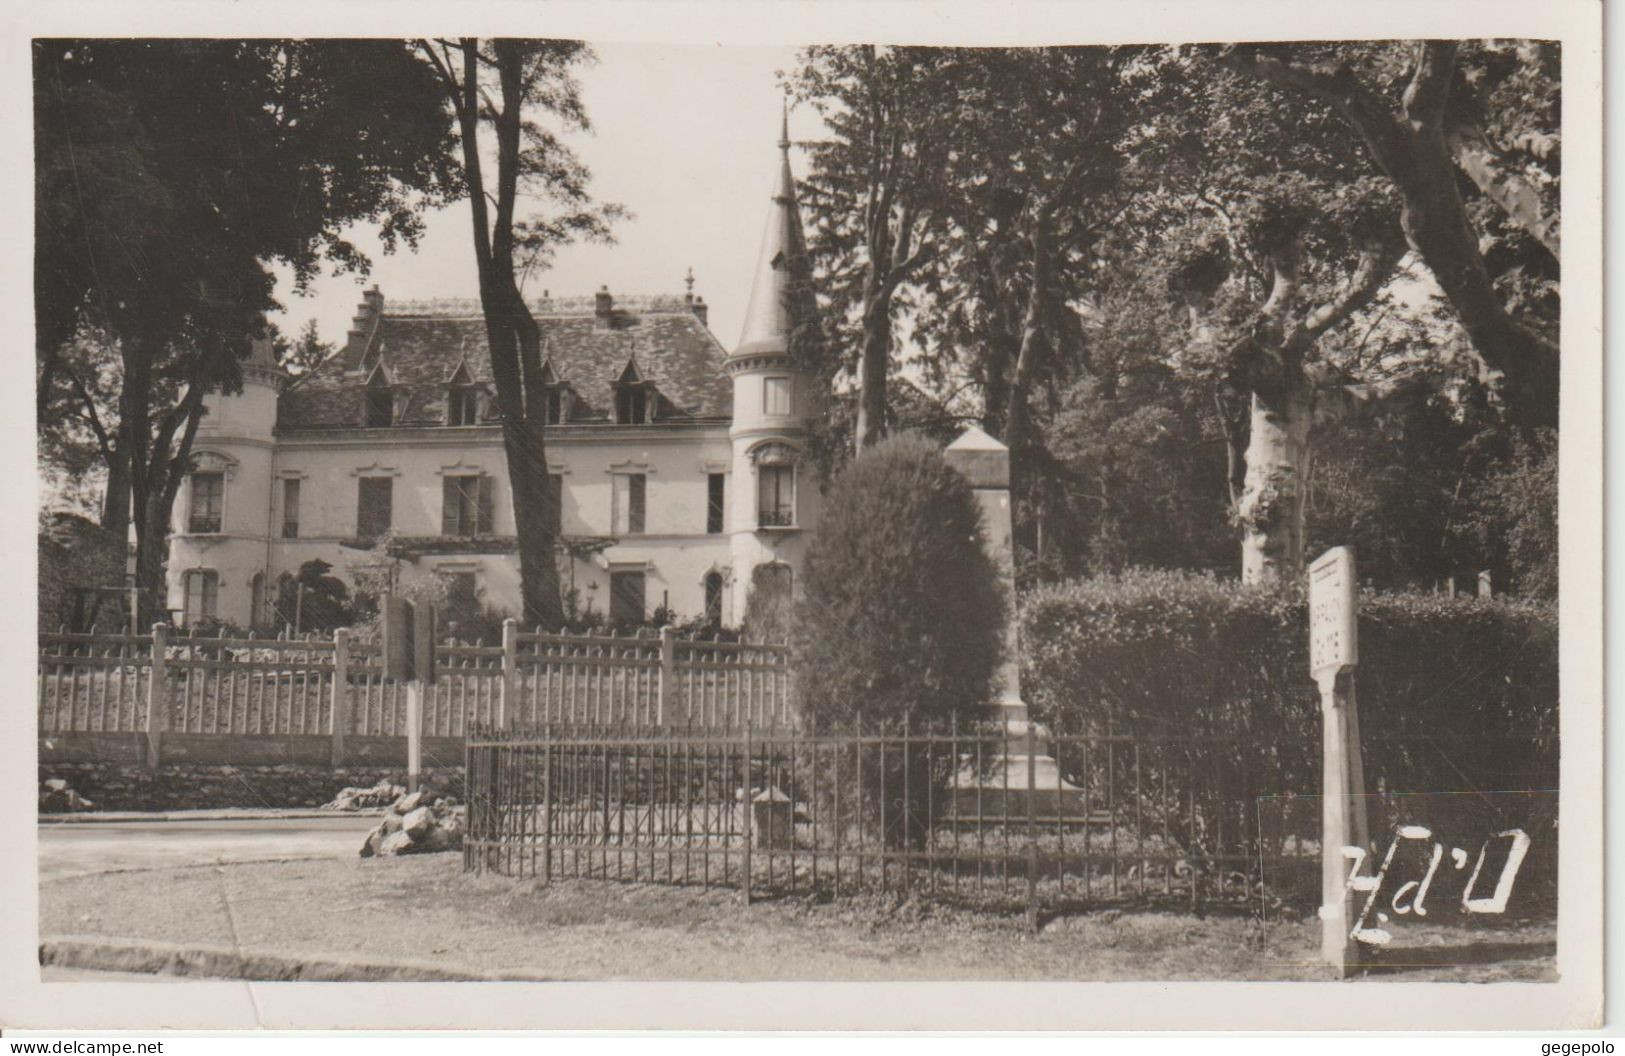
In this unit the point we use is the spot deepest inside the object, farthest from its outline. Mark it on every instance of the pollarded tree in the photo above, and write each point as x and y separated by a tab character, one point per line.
1429	114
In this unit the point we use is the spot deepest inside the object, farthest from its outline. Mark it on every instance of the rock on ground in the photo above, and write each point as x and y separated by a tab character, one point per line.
418	823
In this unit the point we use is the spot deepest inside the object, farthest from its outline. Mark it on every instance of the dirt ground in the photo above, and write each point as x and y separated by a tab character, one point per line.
425	909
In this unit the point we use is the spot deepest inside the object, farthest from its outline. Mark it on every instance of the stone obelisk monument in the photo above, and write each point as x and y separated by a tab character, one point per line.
985	462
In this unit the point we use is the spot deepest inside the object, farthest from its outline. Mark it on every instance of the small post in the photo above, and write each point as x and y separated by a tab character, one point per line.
341	692
668	673
414	733
749	809
1484	588
1333	654
157	693
508	703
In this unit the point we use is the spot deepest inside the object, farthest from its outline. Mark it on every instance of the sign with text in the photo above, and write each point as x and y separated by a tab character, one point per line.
1333	638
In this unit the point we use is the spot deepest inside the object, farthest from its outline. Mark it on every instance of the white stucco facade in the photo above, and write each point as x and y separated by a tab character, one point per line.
702	412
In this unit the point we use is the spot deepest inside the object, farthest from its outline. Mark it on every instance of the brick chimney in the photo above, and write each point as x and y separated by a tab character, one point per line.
362	326
701	310
603	309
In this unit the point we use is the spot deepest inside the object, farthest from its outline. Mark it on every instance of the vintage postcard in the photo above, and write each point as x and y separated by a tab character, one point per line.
952	515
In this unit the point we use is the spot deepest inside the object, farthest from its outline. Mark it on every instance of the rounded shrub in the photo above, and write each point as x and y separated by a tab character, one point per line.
902	614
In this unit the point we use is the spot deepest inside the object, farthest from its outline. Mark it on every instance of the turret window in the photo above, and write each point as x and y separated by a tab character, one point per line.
776	397
776	496
208	501
775	485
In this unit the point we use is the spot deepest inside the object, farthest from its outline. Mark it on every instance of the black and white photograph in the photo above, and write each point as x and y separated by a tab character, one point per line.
602	508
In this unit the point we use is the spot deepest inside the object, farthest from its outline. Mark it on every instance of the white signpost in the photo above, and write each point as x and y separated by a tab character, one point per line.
1345	837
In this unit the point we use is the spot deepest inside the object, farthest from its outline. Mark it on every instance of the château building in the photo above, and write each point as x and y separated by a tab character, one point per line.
679	462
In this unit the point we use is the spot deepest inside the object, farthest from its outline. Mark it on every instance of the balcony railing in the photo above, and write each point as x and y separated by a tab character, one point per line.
204	524
775	519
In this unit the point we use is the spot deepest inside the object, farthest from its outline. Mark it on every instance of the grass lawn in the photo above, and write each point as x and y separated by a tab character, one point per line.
424	909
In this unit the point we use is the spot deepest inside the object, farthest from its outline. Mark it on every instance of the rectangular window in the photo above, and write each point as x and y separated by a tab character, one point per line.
776	396
208	496
555	489
775	496
626	597
202	595
716	486
462	407
466	506
374	506
380	408
290	509
626	516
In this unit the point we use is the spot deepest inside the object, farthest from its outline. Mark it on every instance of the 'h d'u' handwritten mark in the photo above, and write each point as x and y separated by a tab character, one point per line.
1418	889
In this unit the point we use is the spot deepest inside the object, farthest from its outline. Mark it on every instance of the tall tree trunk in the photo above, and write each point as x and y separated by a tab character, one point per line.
524	443
512	335
115	515
1033	337
873	359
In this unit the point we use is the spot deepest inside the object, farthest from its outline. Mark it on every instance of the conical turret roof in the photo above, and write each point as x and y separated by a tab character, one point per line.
780	266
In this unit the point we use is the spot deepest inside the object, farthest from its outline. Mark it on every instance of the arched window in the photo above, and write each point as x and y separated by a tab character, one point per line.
713	598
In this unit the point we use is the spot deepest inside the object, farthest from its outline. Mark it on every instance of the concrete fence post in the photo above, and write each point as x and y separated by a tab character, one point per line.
508	703
157	693
666	690
341	692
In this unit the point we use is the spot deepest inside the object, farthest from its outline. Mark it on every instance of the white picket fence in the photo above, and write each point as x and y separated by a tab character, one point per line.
254	686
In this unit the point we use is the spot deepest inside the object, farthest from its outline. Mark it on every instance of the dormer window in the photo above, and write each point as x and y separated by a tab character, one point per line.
462	407
634	397
631	405
380	408
462	398
556	401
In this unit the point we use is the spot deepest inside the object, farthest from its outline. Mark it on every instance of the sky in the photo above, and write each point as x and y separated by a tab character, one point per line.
685	136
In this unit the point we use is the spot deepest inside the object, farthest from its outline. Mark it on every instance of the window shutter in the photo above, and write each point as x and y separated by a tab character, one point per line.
485	521
448	505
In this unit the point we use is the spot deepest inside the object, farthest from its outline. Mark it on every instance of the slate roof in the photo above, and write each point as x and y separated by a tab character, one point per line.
421	349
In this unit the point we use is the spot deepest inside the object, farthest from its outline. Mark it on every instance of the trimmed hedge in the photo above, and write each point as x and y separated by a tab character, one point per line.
1455	694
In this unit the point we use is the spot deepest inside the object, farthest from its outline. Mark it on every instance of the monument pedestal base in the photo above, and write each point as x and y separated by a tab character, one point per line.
1022	779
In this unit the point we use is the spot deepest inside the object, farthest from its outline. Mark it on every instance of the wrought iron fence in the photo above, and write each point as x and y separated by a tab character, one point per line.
977	811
